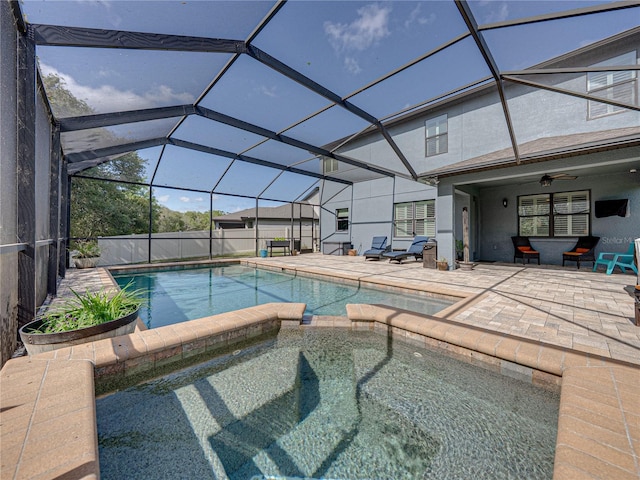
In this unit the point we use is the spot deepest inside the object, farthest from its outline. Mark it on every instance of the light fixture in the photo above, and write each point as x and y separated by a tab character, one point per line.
505	202
431	181
545	181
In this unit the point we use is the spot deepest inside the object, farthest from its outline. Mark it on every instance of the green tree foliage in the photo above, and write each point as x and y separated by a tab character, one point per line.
99	207
63	103
172	221
108	208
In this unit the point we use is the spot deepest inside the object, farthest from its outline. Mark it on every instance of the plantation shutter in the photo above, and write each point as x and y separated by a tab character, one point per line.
404	220
425	218
533	215
533	205
614	85
571	214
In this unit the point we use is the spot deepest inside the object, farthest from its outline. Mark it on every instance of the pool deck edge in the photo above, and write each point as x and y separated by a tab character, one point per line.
598	434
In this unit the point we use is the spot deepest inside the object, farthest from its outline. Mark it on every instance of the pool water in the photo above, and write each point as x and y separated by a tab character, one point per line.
177	295
333	404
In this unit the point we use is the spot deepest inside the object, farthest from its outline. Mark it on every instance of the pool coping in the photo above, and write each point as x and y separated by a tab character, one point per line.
48	400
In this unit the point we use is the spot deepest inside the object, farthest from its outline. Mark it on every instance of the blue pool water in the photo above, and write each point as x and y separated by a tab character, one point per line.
177	295
330	404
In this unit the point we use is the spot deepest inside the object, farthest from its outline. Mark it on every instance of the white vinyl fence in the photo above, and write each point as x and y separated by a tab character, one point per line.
126	249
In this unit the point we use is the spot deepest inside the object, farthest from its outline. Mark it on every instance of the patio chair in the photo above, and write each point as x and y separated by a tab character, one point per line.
378	247
415	250
522	249
583	251
622	260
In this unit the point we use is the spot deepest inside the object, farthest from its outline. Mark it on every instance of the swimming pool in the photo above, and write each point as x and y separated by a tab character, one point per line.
316	403
177	295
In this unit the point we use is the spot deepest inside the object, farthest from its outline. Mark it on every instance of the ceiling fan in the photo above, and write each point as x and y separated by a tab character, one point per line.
546	179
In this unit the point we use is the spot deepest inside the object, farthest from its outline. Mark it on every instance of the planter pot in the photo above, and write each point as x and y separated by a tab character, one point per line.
466	266
442	266
87	262
44	342
263	253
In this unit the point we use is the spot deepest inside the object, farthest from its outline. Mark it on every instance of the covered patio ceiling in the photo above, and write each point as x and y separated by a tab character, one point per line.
248	98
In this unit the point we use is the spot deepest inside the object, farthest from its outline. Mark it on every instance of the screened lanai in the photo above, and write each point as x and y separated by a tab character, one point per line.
224	106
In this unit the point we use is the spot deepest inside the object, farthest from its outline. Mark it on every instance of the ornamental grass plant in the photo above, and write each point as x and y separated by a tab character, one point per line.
89	309
87	249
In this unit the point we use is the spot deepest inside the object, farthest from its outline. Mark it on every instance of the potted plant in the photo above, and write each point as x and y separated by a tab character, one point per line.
459	250
86	317
86	253
442	264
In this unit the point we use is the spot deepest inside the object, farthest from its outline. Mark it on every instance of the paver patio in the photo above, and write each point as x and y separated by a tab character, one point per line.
579	309
590	316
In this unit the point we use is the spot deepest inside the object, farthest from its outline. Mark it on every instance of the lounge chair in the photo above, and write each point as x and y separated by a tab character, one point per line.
415	250
583	251
622	260
522	249
378	247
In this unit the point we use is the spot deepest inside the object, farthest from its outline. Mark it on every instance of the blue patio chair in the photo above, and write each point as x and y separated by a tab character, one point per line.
378	247
415	250
622	260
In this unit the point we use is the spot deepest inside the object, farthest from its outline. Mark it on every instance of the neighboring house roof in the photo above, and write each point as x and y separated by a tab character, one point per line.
282	212
543	149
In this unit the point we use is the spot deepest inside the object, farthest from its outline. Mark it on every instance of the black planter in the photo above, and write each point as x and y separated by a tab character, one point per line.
42	342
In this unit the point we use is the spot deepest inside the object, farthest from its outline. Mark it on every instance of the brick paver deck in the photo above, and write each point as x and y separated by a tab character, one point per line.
547	325
585	311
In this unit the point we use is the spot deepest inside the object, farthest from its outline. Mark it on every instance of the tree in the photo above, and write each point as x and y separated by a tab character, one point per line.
119	204
172	221
103	207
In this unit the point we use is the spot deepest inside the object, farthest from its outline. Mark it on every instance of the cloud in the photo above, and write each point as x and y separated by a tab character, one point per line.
268	91
499	15
370	27
107	98
416	17
352	66
185	199
163	198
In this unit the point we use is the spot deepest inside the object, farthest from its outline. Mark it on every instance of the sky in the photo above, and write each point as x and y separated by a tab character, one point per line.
342	45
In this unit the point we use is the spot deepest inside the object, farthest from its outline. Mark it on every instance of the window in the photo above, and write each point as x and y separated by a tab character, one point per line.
533	215
342	219
569	217
571	214
329	165
415	218
616	85
436	136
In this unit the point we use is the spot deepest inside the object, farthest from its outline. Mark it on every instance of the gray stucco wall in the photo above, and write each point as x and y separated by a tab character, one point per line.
476	124
370	210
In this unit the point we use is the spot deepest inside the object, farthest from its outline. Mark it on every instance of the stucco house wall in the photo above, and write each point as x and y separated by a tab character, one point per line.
476	127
